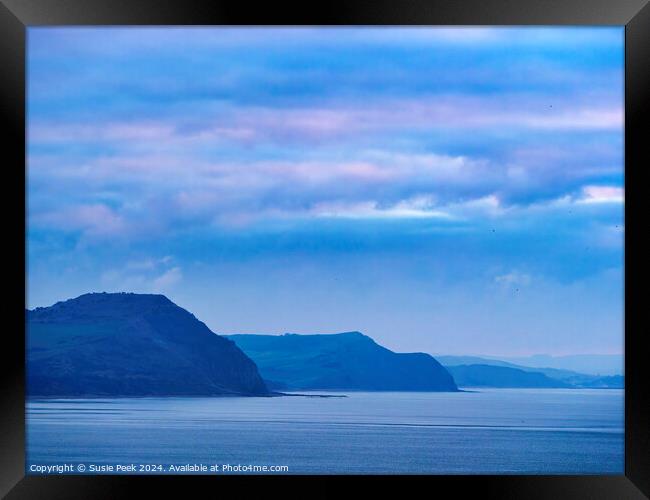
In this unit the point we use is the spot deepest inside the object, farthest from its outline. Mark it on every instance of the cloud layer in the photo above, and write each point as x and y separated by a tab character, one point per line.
222	126
158	158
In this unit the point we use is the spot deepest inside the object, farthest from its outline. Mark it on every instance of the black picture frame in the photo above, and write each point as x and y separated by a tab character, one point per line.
17	15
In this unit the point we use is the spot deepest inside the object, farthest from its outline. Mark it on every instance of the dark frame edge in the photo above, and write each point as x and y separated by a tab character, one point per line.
12	401
480	486
634	14
331	12
637	110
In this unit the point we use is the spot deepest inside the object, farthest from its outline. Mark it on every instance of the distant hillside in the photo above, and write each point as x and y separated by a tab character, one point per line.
501	376
610	382
344	361
124	344
562	378
590	364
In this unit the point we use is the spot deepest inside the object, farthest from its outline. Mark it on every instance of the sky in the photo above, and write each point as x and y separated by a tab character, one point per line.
442	190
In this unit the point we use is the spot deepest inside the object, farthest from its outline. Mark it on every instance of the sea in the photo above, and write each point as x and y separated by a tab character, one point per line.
478	431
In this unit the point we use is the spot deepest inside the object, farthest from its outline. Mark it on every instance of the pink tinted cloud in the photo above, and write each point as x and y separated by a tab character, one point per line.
602	194
94	220
340	120
97	132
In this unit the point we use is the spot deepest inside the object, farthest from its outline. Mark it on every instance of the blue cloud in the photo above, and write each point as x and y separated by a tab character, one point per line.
462	159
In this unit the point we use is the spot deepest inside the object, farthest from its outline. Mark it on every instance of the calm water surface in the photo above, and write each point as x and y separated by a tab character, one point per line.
516	431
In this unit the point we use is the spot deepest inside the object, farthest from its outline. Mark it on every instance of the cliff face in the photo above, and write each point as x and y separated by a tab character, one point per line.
342	361
127	344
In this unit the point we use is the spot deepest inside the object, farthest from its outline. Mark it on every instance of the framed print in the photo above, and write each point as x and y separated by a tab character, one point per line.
385	243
